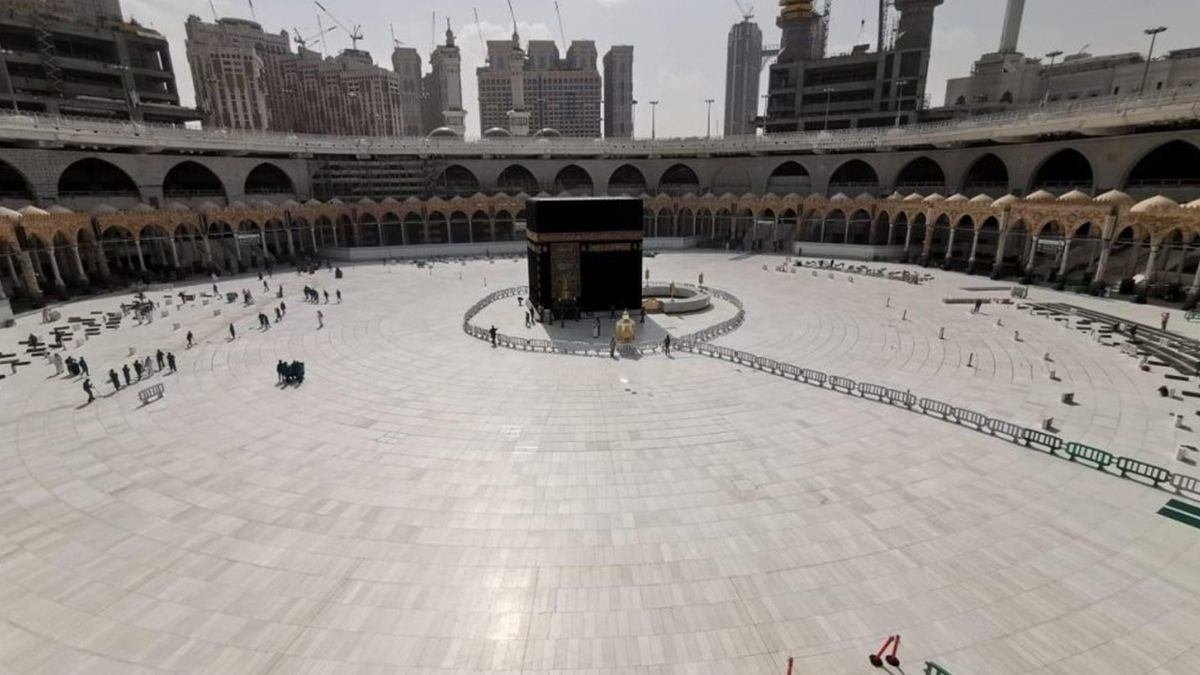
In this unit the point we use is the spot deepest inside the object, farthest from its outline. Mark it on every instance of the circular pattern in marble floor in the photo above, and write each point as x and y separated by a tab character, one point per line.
425	503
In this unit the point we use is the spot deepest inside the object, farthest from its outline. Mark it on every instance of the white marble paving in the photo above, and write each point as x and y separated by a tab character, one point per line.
427	504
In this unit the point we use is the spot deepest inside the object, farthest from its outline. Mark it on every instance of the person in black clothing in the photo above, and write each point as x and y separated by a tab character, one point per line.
279	371
116	381
283	308
137	368
326	297
87	387
158	358
339	296
171	361
125	371
667	345
190	340
232	332
492	333
83	368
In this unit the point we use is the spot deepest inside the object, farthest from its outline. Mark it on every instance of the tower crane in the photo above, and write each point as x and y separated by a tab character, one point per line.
355	33
561	32
482	44
747	14
302	41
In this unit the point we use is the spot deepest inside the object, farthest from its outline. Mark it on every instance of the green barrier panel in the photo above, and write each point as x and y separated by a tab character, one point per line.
1089	454
932	668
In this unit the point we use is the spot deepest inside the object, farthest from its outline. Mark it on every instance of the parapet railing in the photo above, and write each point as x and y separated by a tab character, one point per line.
1174	105
697	343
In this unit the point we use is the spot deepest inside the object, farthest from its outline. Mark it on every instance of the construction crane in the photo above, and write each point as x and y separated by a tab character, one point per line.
561	32
514	18
355	33
747	14
482	45
302	41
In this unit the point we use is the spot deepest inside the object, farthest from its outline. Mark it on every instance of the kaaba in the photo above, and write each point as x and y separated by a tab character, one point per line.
585	254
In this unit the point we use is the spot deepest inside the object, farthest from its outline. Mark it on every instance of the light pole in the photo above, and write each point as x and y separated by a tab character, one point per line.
633	119
1153	33
653	119
1052	56
709	101
828	93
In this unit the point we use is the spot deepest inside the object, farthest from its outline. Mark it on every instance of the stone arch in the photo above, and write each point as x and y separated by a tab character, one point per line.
923	175
515	179
704	222
854	176
1172	165
120	250
455	181
414	228
789	177
574	180
268	179
987	174
723	223
731	178
685	223
91	177
858	227
393	229
369	230
627	180
678	180
191	180
481	226
505	226
13	184
460	228
439	228
1064	170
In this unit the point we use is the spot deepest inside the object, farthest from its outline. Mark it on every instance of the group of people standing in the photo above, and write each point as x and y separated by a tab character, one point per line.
313	296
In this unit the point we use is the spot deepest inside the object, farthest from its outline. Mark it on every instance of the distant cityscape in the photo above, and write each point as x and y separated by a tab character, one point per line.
82	58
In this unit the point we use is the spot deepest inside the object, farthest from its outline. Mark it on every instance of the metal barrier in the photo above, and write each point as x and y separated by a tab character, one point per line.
1032	437
943	410
813	376
843	384
1002	428
1183	483
1132	466
932	668
1087	453
964	416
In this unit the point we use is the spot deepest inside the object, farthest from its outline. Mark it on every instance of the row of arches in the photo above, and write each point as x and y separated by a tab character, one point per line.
1176	163
94	177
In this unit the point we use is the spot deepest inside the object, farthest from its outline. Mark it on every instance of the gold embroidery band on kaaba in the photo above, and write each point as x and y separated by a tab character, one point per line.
582	237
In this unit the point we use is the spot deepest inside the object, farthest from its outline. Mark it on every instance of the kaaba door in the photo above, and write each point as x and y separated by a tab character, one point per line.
564	273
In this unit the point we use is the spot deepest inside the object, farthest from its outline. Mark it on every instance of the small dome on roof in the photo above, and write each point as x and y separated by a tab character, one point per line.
236	205
411	200
443	132
1155	203
791	196
290	204
103	208
313	202
1040	196
957	197
1005	201
839	197
865	197
32	210
1194	204
548	133
264	204
58	208
207	206
895	197
1115	197
497	132
688	195
914	197
143	207
176	206
336	202
1076	197
9	213
981	198
389	201
933	198
367	201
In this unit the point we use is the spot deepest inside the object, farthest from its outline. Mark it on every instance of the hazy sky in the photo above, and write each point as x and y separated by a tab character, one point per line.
679	45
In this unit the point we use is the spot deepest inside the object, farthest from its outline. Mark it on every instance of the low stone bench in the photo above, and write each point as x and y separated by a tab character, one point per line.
151	393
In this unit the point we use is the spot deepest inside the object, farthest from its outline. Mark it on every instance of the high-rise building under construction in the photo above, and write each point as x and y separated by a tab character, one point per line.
810	90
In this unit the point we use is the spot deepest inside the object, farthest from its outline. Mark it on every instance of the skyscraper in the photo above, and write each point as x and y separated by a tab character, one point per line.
618	92
443	87
236	72
540	90
743	65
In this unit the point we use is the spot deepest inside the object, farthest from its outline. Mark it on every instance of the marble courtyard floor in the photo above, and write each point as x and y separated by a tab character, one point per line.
425	503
